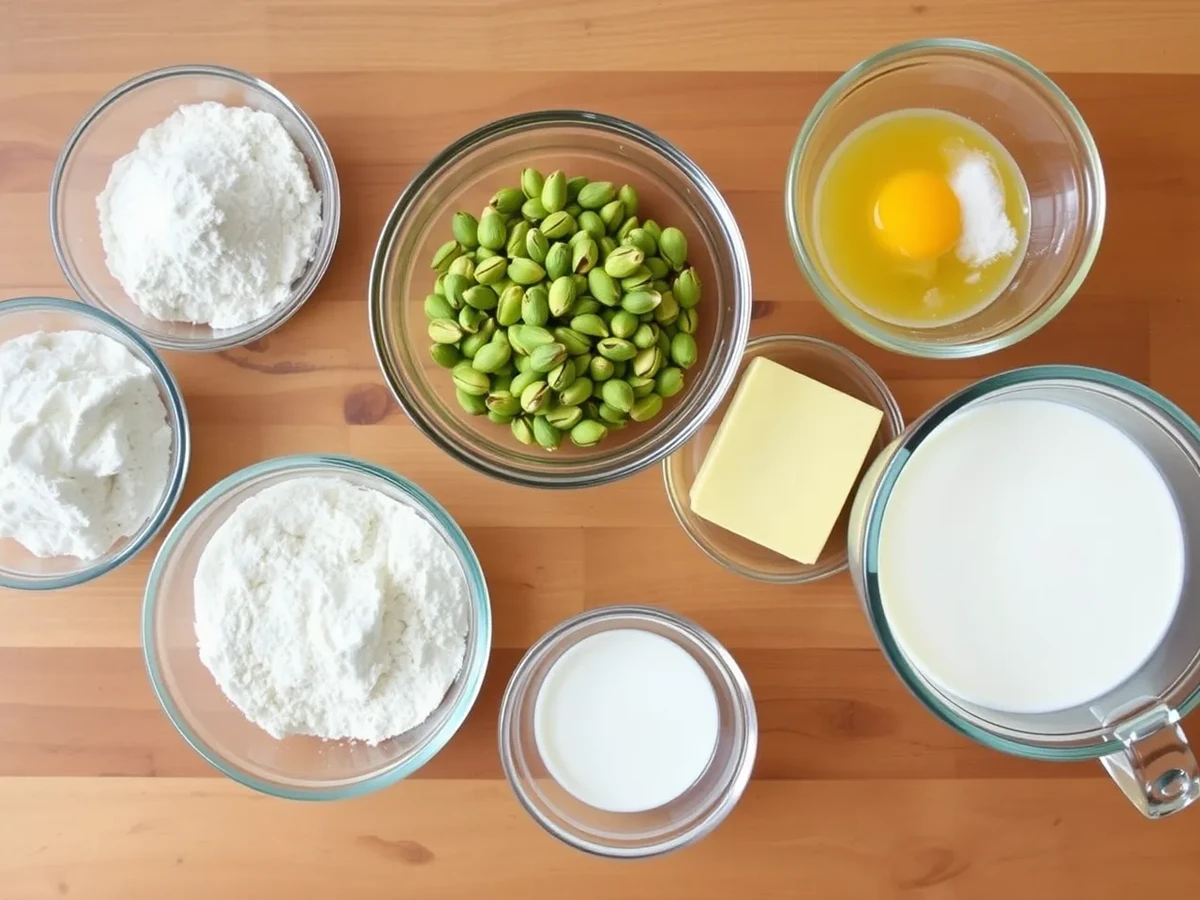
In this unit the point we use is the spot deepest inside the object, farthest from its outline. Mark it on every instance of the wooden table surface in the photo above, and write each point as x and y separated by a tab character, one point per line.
858	792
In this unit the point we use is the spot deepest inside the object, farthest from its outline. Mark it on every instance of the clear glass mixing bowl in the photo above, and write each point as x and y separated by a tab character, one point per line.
110	130
19	568
297	767
1036	123
672	190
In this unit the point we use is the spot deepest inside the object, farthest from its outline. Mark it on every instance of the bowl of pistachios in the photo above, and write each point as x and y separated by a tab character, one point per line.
560	299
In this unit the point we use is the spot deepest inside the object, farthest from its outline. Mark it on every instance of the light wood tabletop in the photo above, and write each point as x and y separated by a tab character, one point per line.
858	792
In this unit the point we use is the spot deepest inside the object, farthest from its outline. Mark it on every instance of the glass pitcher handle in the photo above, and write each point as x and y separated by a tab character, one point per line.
1156	769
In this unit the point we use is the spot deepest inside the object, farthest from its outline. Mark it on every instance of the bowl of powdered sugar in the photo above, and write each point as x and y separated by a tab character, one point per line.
197	204
94	443
316	627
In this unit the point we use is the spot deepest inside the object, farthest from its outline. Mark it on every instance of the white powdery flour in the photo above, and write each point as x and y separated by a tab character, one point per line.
328	609
211	218
85	447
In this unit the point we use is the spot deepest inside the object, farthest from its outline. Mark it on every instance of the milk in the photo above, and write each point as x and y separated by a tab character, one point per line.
626	720
1031	556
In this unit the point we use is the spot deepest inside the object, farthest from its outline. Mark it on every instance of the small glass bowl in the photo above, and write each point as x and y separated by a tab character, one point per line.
297	767
685	819
1036	123
673	191
19	568
829	364
110	130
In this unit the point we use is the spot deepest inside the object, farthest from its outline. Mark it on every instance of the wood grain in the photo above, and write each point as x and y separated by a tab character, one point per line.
858	792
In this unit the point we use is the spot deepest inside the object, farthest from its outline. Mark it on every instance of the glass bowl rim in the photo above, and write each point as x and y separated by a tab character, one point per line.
892	416
873	519
462	148
673	622
331	200
464	552
181	435
855	320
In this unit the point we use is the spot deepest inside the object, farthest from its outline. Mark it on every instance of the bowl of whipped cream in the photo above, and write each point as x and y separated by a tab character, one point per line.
197	204
316	627
94	443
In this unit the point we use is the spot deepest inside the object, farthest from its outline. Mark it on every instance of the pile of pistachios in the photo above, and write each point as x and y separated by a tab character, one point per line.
559	312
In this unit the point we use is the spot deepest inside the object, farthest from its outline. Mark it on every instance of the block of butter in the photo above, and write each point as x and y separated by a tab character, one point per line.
784	460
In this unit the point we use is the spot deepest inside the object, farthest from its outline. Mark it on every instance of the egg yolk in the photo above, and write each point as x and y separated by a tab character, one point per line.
917	215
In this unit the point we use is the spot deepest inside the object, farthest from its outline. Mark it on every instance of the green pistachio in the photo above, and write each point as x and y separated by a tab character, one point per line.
665	333
536	397
590	324
646	408
660	285
521	361
482	253
686	288
630	223
641	384
560	377
491	357
610	414
507	201
531	183
672	245
558	225
554	192
445	355
624	324
616	349
525	271
523	380
472	343
590	222
533	210
669	381
667	312
585	305
464	266
562	295
617	394
658	268
646	336
687	321
612	215
607	246
584	255
640	238
639	279
498	418
558	261
653	229
575	341
522	430
547	356
481	296
534	336
438	307
629	197
535	307
492	231
564	418
621	365
445	331
508	310
591	409
575	393
641	301
537	245
467	379
472	403
596	194
470	319
574	186
518	236
622	262
504	403
582	361
491	270
603	287
646	363
600	369
684	351
466	229
445	255
588	433
547	436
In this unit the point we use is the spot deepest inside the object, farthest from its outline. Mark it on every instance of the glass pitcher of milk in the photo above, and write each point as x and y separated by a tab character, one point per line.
1024	552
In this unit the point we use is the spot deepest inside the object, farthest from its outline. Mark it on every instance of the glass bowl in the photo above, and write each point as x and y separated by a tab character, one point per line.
684	820
829	364
1039	127
297	767
19	568
110	130
672	190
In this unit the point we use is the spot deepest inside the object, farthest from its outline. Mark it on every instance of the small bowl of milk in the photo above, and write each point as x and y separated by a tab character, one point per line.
628	732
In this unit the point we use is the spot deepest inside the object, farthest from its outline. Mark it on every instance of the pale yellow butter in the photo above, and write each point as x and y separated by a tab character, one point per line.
784	460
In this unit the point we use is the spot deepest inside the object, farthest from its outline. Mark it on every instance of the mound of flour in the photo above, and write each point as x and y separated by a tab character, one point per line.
328	609
211	218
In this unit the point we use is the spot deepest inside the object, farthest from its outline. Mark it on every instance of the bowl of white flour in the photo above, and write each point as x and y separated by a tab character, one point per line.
316	627
94	443
197	204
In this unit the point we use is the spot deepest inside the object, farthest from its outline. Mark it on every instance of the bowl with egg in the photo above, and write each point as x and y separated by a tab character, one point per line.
316	627
945	199
95	440
196	203
560	299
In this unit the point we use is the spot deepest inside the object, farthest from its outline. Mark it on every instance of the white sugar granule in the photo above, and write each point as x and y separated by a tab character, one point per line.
987	234
328	609
211	218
